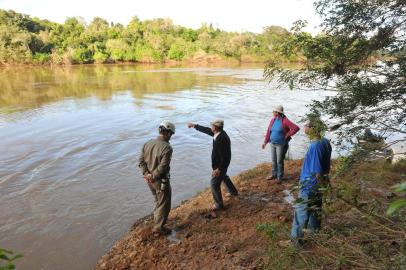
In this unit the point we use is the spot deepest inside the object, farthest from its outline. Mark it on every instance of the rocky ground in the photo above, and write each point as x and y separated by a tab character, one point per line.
226	240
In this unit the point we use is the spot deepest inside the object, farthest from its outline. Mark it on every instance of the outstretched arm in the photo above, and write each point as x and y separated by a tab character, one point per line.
203	129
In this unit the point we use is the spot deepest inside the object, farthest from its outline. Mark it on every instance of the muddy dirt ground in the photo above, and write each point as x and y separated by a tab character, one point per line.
201	240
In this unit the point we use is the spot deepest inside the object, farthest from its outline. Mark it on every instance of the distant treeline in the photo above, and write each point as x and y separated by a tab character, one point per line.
27	40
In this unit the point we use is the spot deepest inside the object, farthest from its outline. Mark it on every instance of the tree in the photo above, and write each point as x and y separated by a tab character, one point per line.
98	29
117	48
25	40
361	55
177	50
274	33
14	45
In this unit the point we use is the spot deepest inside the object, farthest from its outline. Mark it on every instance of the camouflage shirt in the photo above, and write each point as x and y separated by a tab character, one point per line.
155	158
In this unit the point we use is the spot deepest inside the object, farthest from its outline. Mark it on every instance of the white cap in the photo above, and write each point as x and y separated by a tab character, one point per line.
278	109
168	125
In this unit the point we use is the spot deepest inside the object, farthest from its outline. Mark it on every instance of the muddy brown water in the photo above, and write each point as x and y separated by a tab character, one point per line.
70	137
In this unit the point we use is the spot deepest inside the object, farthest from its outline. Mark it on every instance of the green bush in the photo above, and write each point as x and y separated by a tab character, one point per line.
177	51
81	56
100	57
42	58
117	48
143	53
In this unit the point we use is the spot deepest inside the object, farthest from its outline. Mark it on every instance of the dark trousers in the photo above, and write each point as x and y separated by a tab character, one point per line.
278	152
216	188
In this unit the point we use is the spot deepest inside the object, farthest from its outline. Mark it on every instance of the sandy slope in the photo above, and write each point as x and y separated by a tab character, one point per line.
228	241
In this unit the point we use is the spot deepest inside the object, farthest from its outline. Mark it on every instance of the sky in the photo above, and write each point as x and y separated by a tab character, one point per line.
229	15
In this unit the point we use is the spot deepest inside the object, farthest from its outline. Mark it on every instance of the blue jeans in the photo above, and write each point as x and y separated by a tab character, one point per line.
278	152
307	214
216	188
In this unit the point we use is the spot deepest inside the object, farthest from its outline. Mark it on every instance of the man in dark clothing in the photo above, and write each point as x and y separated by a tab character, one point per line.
220	160
154	162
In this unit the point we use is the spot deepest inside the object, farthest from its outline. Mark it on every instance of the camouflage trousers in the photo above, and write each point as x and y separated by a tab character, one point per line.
162	195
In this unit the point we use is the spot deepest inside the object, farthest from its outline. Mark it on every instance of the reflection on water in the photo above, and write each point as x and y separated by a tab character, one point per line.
70	137
27	88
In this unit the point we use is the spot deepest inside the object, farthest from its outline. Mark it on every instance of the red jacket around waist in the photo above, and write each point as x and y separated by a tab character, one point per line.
289	128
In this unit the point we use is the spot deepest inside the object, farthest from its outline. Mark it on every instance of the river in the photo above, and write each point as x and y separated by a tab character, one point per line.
70	138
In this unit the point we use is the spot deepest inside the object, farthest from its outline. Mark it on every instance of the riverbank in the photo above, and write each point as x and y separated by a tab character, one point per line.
229	241
197	60
245	236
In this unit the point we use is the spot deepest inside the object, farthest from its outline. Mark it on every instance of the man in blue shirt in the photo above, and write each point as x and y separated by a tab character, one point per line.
316	166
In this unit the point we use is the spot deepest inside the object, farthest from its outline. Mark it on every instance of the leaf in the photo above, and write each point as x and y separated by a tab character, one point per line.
396	205
4	257
400	187
16	257
5	251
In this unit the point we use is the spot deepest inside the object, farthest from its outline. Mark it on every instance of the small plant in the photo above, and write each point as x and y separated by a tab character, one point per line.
253	173
269	229
400	203
7	259
279	258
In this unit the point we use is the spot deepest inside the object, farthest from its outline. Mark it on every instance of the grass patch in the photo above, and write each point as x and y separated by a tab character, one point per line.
259	171
279	257
356	231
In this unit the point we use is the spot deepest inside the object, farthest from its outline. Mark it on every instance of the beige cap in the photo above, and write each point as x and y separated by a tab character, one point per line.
278	109
218	123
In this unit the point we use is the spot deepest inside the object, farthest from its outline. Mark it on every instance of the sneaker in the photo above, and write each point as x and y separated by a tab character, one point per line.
271	177
285	243
289	243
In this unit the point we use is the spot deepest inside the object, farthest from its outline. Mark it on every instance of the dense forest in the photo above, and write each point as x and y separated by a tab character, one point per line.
27	40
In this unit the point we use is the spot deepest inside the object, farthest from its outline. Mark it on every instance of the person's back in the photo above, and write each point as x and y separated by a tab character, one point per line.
154	152
221	153
316	162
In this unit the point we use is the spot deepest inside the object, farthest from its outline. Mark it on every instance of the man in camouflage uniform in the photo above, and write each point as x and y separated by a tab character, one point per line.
154	162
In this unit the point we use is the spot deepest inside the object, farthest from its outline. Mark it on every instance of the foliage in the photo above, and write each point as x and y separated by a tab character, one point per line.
370	93
400	203
7	259
26	40
356	234
81	56
319	128
176	52
41	58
